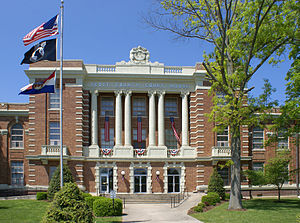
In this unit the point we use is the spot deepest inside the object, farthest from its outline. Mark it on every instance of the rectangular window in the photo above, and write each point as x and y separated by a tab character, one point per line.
224	173
54	99
171	107
51	171
283	141
222	138
258	166
54	133
136	144
107	106
17	173
139	106
107	144
258	138
171	141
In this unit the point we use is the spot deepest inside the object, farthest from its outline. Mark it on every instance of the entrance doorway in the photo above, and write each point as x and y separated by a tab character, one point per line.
140	180
106	180
173	180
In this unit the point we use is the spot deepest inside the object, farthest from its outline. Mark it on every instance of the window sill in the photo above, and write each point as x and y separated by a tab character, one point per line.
17	148
258	150
53	109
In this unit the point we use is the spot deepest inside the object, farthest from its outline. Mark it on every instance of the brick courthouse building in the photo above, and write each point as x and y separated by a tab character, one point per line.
117	130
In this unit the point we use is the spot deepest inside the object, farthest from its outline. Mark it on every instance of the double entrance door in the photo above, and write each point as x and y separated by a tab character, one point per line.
140	180
106	180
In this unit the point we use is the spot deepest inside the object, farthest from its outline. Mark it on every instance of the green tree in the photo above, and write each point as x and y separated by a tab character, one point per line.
54	185
256	178
69	205
216	184
277	172
243	35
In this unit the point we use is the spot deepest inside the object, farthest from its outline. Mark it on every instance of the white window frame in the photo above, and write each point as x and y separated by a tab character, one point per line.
14	143
54	142
17	170
54	99
107	144
222	143
139	109
103	108
262	139
170	110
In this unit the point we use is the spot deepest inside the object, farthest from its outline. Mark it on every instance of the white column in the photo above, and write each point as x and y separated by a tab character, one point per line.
94	118
152	118
118	118
127	121
161	119
184	118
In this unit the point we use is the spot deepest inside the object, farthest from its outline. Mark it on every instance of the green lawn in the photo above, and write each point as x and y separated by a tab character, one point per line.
32	211
257	210
22	211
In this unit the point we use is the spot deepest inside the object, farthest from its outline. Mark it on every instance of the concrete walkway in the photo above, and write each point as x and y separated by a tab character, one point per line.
161	213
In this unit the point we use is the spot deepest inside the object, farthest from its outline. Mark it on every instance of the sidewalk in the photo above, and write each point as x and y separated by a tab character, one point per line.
161	213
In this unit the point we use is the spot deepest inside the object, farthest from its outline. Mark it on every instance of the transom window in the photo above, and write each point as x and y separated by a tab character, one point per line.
171	107
54	99
222	138
17	173
171	141
258	138
110	143
54	133
139	106
107	106
17	136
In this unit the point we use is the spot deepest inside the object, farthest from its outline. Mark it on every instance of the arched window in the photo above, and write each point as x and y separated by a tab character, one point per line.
17	134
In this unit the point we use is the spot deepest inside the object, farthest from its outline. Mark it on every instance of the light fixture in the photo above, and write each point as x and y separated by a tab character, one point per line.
123	174
157	175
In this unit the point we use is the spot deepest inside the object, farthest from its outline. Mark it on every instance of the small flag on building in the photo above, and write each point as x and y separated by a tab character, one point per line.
46	86
47	29
106	129
174	130
45	50
139	129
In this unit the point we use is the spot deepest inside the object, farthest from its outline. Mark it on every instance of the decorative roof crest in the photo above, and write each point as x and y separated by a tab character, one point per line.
139	55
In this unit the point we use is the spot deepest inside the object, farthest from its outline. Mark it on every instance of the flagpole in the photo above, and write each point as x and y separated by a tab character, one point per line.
60	95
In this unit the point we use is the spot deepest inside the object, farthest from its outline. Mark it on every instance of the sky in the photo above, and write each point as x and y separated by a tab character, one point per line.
102	32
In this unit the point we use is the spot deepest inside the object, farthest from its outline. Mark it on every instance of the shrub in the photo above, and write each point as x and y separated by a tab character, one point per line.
215	195
54	185
90	200
216	184
209	200
41	195
227	196
69	205
200	207
85	195
104	207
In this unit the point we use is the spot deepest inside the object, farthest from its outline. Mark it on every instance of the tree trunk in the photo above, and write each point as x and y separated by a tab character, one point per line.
279	193
235	201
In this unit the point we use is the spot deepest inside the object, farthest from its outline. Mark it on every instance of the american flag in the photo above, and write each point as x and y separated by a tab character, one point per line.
47	29
174	130
139	129
106	129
